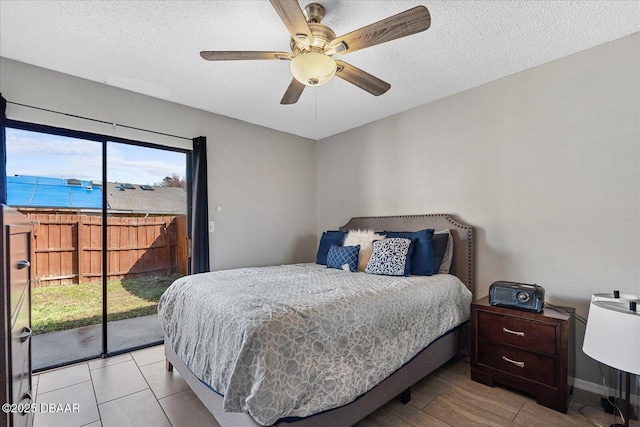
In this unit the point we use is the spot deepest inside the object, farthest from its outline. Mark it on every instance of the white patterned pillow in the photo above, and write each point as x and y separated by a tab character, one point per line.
389	257
362	238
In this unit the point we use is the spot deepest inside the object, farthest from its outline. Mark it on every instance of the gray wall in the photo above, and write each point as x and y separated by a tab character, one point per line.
545	163
264	180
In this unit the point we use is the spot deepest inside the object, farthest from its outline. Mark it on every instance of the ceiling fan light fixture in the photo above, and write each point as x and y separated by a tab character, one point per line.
313	68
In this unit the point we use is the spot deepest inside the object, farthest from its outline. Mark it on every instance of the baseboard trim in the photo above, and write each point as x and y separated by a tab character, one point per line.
599	389
588	386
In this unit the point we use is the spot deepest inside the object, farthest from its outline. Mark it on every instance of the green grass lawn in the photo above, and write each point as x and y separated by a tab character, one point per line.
56	308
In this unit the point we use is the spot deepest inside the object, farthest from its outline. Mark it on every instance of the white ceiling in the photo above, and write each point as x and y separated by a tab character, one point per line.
152	47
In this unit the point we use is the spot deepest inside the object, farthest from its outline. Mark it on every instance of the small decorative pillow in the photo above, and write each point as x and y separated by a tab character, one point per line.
389	257
364	238
343	257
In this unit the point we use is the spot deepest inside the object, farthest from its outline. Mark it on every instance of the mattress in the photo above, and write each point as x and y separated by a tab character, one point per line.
293	340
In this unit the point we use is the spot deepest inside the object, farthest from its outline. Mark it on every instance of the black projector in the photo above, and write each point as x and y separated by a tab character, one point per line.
517	295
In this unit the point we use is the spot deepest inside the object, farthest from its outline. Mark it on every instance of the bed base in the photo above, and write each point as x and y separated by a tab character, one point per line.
428	360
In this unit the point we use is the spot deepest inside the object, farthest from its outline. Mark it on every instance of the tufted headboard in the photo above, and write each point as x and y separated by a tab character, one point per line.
463	263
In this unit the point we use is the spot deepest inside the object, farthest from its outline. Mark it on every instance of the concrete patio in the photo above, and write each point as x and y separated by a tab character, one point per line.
55	348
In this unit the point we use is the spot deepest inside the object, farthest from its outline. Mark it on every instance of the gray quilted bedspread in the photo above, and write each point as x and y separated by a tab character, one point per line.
294	340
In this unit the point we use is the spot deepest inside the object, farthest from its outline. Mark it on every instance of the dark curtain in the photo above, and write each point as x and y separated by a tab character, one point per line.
199	208
3	151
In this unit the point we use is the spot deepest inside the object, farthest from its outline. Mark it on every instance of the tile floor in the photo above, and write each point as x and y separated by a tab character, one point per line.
132	389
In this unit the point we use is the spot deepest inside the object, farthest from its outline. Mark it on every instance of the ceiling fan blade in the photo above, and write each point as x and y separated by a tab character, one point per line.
394	27
228	55
293	93
294	20
362	79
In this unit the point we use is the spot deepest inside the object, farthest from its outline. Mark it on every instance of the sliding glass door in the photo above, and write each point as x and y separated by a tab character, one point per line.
109	235
146	239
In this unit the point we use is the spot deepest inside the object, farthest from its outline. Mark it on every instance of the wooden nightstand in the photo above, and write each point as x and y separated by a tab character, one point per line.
532	352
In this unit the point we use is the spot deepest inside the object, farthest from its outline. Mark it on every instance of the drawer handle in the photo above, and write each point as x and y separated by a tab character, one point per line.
26	406
26	334
23	264
515	362
518	333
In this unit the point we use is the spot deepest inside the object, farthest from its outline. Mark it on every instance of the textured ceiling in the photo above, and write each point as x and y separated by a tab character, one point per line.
152	47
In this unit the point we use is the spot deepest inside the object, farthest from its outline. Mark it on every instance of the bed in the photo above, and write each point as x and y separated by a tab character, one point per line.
311	388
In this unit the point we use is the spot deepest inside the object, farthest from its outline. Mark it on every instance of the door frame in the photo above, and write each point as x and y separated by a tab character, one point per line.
104	140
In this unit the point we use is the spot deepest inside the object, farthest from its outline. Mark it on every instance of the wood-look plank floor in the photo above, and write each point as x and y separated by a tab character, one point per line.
135	390
448	397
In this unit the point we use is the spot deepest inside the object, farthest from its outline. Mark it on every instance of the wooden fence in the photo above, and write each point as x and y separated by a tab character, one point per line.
67	249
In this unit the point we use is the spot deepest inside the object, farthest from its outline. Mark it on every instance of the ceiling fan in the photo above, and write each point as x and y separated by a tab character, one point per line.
313	45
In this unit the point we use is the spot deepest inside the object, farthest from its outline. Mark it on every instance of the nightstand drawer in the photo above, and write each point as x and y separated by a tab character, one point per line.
518	362
521	333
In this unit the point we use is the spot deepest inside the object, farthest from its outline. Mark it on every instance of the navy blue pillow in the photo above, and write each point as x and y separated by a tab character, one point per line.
422	257
328	238
439	244
339	256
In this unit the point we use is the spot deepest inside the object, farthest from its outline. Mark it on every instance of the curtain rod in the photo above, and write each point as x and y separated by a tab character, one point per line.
99	121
